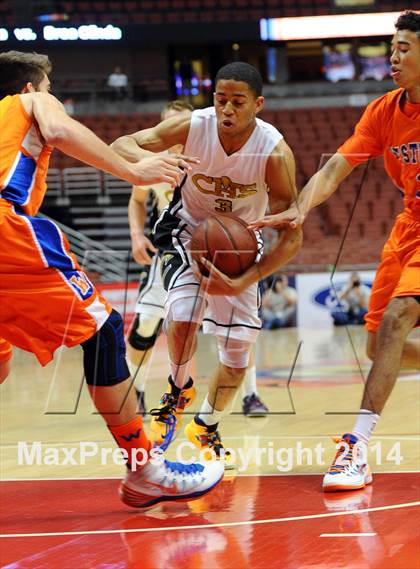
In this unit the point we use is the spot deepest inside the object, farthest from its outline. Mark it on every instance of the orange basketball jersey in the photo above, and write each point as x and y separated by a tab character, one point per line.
46	300
385	129
23	157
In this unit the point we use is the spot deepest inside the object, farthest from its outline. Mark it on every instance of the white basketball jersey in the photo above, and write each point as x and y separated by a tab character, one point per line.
162	194
221	183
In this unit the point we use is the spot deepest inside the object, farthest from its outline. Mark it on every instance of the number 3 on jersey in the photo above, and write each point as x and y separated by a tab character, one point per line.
224	206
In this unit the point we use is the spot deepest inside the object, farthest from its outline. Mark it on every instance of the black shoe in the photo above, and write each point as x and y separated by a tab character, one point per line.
252	406
141	403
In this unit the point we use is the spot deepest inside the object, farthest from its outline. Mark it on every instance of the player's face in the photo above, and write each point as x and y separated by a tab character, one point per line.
236	106
405	59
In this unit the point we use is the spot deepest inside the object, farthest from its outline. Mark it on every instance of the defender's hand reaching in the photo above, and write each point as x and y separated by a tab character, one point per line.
159	168
291	216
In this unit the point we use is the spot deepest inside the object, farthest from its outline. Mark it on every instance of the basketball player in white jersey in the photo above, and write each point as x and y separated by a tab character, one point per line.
245	165
144	208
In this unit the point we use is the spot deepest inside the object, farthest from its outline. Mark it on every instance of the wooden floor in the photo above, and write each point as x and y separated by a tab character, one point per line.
58	515
51	405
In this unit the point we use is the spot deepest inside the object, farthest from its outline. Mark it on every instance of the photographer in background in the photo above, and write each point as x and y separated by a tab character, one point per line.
353	302
279	304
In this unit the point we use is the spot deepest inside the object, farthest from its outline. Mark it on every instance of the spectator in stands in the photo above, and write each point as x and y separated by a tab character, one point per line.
353	302
118	82
68	104
279	304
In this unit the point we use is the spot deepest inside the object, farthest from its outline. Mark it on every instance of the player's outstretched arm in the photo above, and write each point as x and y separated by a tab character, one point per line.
168	133
319	188
140	244
73	138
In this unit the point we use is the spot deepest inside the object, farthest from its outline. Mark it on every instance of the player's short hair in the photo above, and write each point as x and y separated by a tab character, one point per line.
241	71
18	68
409	20
176	105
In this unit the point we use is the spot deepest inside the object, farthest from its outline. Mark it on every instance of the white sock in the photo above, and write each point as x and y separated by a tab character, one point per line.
139	374
180	373
208	413
249	385
365	423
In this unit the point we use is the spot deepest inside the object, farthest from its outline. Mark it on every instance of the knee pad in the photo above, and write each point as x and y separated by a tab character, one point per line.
144	331
188	309
233	353
104	354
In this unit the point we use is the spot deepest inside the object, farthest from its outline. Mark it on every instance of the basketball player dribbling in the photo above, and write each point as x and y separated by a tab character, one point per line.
244	165
389	127
144	208
46	300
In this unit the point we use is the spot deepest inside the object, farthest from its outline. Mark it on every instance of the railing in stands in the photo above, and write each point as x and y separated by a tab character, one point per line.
93	256
69	184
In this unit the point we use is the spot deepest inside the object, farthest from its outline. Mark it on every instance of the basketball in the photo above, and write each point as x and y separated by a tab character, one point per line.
225	241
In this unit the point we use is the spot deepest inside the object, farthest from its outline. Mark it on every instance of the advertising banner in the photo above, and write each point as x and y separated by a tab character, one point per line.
317	296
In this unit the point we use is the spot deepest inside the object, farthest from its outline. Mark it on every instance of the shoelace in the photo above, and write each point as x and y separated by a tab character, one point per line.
166	414
212	440
180	468
168	405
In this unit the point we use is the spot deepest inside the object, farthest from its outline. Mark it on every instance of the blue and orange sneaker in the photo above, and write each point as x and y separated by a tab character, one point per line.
163	480
349	470
166	419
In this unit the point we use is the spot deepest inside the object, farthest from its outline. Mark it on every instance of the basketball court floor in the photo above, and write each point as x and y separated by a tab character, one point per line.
59	502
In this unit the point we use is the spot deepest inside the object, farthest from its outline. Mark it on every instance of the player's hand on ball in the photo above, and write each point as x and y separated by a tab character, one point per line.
140	247
214	281
291	216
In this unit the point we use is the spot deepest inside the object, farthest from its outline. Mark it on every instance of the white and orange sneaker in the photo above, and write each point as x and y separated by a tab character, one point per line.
349	470
163	480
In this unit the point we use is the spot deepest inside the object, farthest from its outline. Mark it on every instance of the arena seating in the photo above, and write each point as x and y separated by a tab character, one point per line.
313	134
192	11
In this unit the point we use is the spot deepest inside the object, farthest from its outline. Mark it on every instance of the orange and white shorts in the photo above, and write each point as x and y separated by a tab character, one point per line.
399	271
46	300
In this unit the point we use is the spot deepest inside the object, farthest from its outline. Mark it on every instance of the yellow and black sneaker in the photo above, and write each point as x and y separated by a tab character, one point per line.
207	439
166	419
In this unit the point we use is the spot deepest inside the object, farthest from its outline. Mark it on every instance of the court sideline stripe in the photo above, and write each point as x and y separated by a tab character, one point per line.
209	526
372	534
